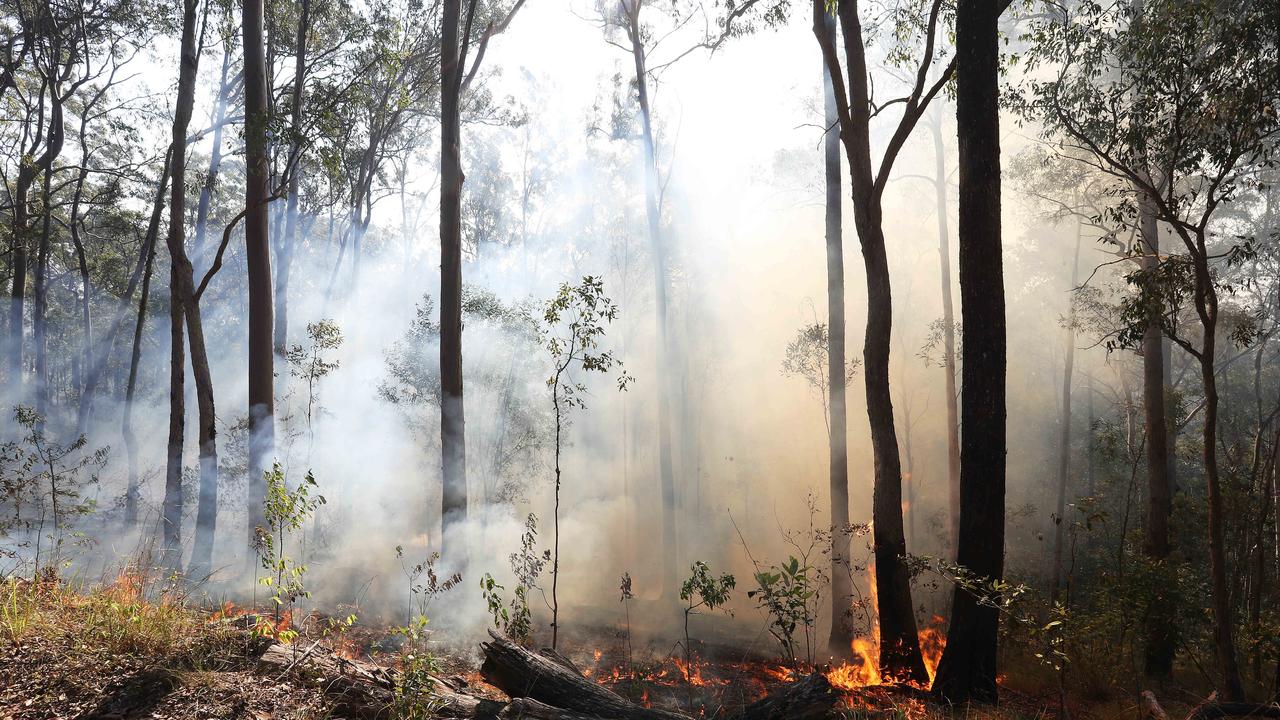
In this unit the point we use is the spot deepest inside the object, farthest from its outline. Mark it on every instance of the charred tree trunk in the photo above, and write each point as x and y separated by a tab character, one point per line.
658	251
258	262
452	417
1160	646
841	638
215	161
967	670
948	335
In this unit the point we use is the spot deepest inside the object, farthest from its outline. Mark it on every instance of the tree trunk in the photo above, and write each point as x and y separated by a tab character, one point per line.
452	417
1224	641
40	310
658	251
1064	438
258	262
179	295
948	335
840	642
215	162
286	245
147	258
967	670
1160	645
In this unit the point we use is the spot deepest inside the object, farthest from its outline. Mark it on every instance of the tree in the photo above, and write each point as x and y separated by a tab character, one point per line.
453	85
1175	99
574	321
258	261
856	106
948	327
967	670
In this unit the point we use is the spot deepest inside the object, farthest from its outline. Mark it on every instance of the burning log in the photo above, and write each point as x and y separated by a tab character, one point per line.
812	698
524	674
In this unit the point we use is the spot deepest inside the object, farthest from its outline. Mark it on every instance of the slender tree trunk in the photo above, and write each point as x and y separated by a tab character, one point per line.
1064	438
452	416
840	642
287	244
948	334
147	259
181	301
258	262
1160	645
40	310
968	667
1224	641
658	252
205	203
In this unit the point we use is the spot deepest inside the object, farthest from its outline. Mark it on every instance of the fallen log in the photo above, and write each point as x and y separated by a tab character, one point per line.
365	690
1211	709
523	674
812	698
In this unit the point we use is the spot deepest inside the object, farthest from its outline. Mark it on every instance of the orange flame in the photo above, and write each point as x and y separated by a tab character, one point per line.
932	642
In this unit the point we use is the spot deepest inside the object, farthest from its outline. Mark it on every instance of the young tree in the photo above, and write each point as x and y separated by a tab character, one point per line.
574	322
856	106
967	670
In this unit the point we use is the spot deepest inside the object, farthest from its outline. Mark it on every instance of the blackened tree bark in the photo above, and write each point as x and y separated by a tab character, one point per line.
452	421
258	261
948	334
1159	652
840	642
179	293
967	670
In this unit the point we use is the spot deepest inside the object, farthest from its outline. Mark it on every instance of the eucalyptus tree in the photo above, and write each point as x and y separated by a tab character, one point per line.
457	39
1175	101
856	107
967	670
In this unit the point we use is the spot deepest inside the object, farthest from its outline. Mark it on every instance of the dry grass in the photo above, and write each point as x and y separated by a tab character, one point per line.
127	650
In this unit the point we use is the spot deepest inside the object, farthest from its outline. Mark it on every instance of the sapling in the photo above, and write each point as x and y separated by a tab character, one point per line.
285	511
513	617
574	322
427	590
627	595
702	591
312	365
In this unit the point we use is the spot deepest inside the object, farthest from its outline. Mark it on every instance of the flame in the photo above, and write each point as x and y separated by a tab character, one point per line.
692	673
932	642
644	698
597	654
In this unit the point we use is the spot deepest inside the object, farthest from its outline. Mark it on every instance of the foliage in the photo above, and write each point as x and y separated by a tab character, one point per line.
425	591
702	591
311	364
286	511
785	592
807	358
513	617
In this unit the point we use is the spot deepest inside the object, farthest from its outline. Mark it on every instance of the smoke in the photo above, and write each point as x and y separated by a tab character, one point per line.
550	201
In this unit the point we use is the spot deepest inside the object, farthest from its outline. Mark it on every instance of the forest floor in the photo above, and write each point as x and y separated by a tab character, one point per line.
112	653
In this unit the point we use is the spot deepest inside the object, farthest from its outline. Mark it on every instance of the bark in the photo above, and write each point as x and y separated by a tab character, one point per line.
452	417
658	253
1064	438
258	262
1224	639
841	638
146	260
39	314
948	335
968	667
27	174
524	674
285	247
1160	646
179	292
